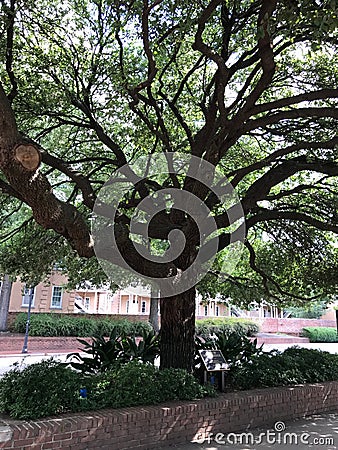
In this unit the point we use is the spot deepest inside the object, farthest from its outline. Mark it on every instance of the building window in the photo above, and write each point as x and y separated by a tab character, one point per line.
56	297
87	302
143	307
217	310
206	310
127	307
27	293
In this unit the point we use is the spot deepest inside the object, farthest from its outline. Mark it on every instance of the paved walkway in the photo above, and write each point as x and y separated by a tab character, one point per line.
315	432
7	361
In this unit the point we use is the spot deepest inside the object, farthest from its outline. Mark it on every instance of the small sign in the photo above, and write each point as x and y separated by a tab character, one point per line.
213	360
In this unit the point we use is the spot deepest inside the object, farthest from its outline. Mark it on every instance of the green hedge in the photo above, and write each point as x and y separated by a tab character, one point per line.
227	325
320	334
61	325
294	366
49	388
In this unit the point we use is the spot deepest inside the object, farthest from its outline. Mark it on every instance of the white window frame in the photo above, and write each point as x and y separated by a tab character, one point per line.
26	296
53	306
206	310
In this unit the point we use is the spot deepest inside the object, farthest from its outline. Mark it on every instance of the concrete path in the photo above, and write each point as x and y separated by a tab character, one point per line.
315	432
6	362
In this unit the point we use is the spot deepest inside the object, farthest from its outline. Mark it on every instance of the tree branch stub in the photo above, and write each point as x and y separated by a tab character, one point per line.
28	156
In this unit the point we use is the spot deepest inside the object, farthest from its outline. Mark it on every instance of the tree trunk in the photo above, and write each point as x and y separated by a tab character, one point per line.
178	331
153	315
5	294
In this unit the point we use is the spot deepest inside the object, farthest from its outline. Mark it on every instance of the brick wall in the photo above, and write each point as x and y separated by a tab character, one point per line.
290	326
174	423
14	344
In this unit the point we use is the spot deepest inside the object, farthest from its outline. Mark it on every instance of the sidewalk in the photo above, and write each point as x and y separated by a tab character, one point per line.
7	360
315	432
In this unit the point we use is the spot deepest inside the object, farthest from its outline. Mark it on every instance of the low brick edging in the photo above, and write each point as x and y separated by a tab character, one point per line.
173	423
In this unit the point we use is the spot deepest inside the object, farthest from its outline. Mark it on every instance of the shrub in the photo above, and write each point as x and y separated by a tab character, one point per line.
177	384
61	325
41	389
105	354
226	325
49	388
294	366
320	334
136	383
315	365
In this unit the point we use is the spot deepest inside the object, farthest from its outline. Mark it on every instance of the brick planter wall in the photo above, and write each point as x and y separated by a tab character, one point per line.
163	425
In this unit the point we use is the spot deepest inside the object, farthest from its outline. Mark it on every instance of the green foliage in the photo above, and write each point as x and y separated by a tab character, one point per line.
320	334
105	354
226	325
237	349
145	350
62	325
41	389
294	366
49	388
136	383
311	311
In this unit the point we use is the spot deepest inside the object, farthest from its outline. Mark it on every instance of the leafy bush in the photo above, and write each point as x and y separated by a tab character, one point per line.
41	389
226	325
61	325
294	366
49	388
320	334
136	383
105	354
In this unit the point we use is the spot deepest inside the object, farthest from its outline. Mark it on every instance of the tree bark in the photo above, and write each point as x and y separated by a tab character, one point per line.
178	331
5	294
153	315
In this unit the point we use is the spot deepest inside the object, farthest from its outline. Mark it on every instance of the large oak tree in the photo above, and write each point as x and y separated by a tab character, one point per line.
89	86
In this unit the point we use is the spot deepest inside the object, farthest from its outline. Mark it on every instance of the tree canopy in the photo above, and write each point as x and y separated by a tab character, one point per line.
89	87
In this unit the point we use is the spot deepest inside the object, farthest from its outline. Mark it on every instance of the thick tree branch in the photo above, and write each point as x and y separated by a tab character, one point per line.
261	187
266	215
265	52
239	174
322	94
35	190
9	50
299	113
